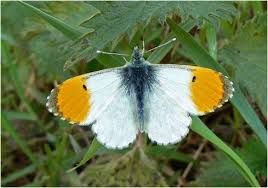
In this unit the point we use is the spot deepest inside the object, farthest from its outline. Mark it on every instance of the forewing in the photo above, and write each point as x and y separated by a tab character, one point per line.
97	99
197	90
80	99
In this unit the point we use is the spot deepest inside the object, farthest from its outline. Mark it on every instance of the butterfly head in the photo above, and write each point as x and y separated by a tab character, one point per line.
137	57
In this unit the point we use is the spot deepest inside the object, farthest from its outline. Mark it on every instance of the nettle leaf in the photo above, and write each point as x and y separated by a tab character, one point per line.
222	172
47	43
246	55
116	18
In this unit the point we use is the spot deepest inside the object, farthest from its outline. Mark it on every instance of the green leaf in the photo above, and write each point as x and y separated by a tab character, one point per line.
66	29
119	17
221	172
93	148
248	59
200	56
199	127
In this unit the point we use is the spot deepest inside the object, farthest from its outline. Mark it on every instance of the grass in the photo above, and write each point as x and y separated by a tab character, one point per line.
53	149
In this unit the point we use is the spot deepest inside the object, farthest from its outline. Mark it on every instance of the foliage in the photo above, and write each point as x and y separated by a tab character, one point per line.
247	58
202	58
119	17
40	150
221	171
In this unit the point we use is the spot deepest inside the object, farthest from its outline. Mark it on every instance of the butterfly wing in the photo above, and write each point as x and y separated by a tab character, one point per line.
197	90
96	99
116	127
79	99
179	92
167	122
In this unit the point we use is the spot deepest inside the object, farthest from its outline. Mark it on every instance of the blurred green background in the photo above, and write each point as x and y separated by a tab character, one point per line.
44	43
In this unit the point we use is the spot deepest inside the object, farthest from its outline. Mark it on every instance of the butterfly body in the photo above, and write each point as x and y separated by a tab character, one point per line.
138	79
140	97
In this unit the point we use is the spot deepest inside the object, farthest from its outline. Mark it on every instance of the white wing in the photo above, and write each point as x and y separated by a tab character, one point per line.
197	90
82	98
175	82
168	122
102	87
116	126
101	102
111	113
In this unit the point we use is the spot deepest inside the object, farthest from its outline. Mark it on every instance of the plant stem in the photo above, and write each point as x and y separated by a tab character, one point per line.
140	141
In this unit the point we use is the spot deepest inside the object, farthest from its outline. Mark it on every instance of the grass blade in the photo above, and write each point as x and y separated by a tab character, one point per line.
200	128
202	58
92	150
68	30
21	143
15	115
212	40
18	174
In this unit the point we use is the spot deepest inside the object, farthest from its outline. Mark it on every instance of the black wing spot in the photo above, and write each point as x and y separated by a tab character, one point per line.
194	78
85	87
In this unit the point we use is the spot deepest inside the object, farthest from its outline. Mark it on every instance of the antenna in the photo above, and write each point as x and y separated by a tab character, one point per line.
143	46
161	45
111	53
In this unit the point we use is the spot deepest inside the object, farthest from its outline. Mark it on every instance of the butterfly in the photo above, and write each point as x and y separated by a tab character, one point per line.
159	100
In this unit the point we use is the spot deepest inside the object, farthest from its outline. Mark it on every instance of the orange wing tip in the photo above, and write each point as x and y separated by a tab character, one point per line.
73	100
51	102
47	104
220	84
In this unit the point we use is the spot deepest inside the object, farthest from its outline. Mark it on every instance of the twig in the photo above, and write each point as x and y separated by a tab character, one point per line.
84	135
182	178
140	141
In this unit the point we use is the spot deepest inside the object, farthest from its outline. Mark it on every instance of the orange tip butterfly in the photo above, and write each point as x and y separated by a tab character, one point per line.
140	97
